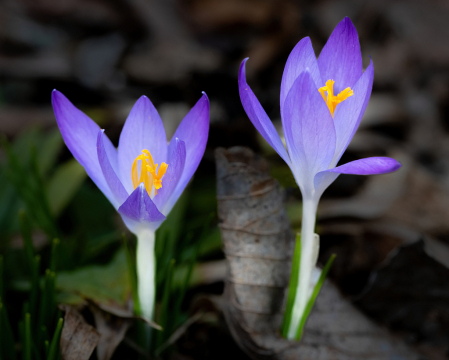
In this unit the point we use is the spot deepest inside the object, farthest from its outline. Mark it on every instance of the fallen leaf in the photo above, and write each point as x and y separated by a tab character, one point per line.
78	339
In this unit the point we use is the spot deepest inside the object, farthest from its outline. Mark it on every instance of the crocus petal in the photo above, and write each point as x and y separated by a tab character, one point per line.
341	59
80	135
165	198
193	131
349	113
309	129
139	207
301	58
143	129
368	166
259	117
111	177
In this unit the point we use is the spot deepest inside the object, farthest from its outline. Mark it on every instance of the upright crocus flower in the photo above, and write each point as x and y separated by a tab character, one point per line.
322	103
145	176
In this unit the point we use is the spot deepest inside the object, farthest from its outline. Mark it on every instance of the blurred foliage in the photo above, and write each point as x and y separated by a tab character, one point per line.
38	325
56	200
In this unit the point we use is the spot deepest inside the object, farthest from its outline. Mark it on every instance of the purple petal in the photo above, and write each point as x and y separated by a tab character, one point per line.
349	113
193	131
139	207
341	59
258	116
80	135
301	58
309	129
322	181
176	160
368	166
111	177
143	129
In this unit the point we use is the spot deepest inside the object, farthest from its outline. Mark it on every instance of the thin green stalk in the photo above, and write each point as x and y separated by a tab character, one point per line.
48	304
35	286
314	295
131	266
54	346
7	338
46	348
2	288
191	265
294	279
27	345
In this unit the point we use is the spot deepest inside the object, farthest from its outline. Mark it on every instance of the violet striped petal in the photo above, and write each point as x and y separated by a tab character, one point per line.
349	113
143	129
193	131
301	58
259	117
309	130
368	166
139	207
341	59
80	135
111	177
166	197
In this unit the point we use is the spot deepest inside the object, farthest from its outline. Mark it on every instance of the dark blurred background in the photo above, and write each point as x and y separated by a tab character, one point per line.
104	54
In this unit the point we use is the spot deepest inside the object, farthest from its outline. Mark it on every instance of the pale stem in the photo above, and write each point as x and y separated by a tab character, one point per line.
146	272
307	264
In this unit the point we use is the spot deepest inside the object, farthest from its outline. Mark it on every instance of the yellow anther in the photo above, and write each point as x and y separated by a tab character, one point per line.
149	174
157	174
331	100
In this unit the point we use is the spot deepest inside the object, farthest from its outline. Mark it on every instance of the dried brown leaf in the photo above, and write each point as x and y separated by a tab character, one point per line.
112	330
78	338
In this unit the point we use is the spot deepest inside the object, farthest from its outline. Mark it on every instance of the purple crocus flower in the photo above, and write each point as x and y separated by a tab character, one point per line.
322	103
145	176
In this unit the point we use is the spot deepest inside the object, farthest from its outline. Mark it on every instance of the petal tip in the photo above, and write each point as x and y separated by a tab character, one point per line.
55	94
348	22
205	96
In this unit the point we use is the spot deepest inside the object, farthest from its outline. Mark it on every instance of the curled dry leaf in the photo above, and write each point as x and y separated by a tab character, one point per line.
112	330
258	245
78	338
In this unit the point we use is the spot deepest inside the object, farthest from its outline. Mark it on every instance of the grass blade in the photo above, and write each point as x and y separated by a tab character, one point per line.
7	338
314	295
27	346
132	274
294	280
2	287
54	346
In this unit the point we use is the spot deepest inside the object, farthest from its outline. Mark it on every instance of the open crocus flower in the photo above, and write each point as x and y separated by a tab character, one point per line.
145	176
322	103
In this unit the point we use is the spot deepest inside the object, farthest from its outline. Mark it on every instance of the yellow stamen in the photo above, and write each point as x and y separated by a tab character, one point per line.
149	174
331	100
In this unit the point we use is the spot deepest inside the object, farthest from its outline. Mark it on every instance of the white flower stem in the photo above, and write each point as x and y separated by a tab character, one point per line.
146	272
307	264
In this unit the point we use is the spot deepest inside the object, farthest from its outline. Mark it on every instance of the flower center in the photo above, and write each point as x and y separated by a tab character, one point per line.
149	173
331	100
